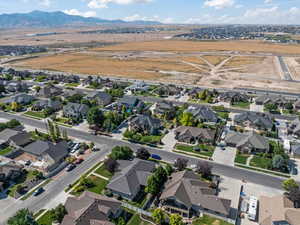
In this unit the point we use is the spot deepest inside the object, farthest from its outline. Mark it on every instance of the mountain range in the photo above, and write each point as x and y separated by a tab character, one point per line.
57	19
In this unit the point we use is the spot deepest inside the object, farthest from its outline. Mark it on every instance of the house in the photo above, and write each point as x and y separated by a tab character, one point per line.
49	91
138	86
295	150
14	138
233	97
193	135
91	209
75	110
278	210
168	90
271	99
203	113
16	86
249	142
9	171
188	196
294	128
131	103
50	155
22	99
145	124
47	104
68	93
131	178
163	108
193	93
102	98
254	120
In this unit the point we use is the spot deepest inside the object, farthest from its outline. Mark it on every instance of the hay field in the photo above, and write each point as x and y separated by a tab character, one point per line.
194	46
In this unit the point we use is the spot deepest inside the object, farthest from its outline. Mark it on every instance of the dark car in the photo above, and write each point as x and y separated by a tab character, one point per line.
38	191
155	156
70	167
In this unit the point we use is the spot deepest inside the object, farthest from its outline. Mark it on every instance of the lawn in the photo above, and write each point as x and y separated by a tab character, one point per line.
207	220
260	162
72	85
98	186
223	115
104	172
241	158
136	220
45	219
39	115
6	150
244	105
206	150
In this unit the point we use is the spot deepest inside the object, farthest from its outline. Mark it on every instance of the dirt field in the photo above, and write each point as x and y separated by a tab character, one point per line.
194	46
239	61
294	66
214	59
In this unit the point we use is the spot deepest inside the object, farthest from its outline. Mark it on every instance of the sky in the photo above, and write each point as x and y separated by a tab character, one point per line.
170	11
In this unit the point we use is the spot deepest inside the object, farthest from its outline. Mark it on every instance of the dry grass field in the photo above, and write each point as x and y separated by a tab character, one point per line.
239	61
215	59
194	46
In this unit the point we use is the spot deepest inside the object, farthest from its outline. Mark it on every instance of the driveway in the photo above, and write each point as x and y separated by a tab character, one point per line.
226	156
169	141
256	108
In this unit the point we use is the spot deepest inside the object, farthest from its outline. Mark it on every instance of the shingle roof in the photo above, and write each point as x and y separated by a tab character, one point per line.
130	178
146	122
203	113
196	132
255	118
20	138
187	188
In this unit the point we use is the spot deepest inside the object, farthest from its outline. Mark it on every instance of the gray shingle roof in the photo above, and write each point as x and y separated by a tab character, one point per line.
203	113
20	138
256	119
196	132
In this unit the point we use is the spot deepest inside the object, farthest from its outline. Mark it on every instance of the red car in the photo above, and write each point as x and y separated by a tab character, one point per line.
79	160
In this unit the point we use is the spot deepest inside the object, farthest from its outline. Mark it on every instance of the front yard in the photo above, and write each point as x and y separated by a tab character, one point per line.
104	172
45	219
241	158
145	139
98	185
261	162
136	220
202	149
36	114
244	105
207	220
6	150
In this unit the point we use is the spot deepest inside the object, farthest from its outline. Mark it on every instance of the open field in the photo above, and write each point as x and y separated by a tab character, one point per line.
194	46
215	59
239	61
293	64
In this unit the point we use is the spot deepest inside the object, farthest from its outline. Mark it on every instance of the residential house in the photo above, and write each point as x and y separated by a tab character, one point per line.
131	103
14	138
131	178
69	93
233	97
102	98
49	91
188	196
91	209
194	135
168	90
9	171
249	142
16	86
271	99
49	155
278	210
254	120
164	108
294	128
193	93
71	79
203	113
22	99
75	111
47	104
138	86
145	124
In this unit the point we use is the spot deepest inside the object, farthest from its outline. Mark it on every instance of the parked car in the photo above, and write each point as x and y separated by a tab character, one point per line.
96	149
70	167
155	156
38	191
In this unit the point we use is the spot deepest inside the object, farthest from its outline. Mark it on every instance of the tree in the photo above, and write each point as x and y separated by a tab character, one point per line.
143	153
58	213
22	217
180	164
161	174
95	117
204	168
111	165
187	119
169	169
294	196
91	145
121	221
121	153
37	88
271	107
57	132
158	216
65	135
51	130
203	95
278	162
2	88
15	106
86	182
289	184
176	219
153	185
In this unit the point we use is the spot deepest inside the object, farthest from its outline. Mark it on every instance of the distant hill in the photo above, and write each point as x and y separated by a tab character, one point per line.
56	19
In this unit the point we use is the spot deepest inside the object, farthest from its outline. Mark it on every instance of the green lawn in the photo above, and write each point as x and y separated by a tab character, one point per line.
45	219
207	220
36	114
241	158
223	115
72	85
206	150
6	150
98	187
245	105
104	172
260	162
136	220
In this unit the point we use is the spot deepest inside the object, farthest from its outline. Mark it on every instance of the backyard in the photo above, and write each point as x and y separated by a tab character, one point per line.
207	220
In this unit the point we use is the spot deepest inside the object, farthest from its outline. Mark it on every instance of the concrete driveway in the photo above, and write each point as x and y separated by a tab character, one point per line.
169	141
256	108
226	156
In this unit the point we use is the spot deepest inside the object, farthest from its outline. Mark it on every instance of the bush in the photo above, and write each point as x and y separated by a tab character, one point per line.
121	153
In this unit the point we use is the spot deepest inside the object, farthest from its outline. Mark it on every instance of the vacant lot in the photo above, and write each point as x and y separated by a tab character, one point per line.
193	46
215	59
239	61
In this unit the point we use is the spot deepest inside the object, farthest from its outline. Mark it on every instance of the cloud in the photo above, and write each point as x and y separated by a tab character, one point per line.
219	4
45	3
98	4
136	17
268	1
76	12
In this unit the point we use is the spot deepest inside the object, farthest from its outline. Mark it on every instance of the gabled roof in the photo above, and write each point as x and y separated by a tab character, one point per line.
132	176
203	113
20	138
196	132
129	101
146	121
100	95
187	188
255	118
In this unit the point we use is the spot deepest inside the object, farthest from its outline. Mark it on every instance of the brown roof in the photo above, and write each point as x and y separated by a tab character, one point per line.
196	132
278	208
188	189
89	209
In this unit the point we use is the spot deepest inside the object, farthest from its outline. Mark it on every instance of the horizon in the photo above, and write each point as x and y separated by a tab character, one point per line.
273	12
